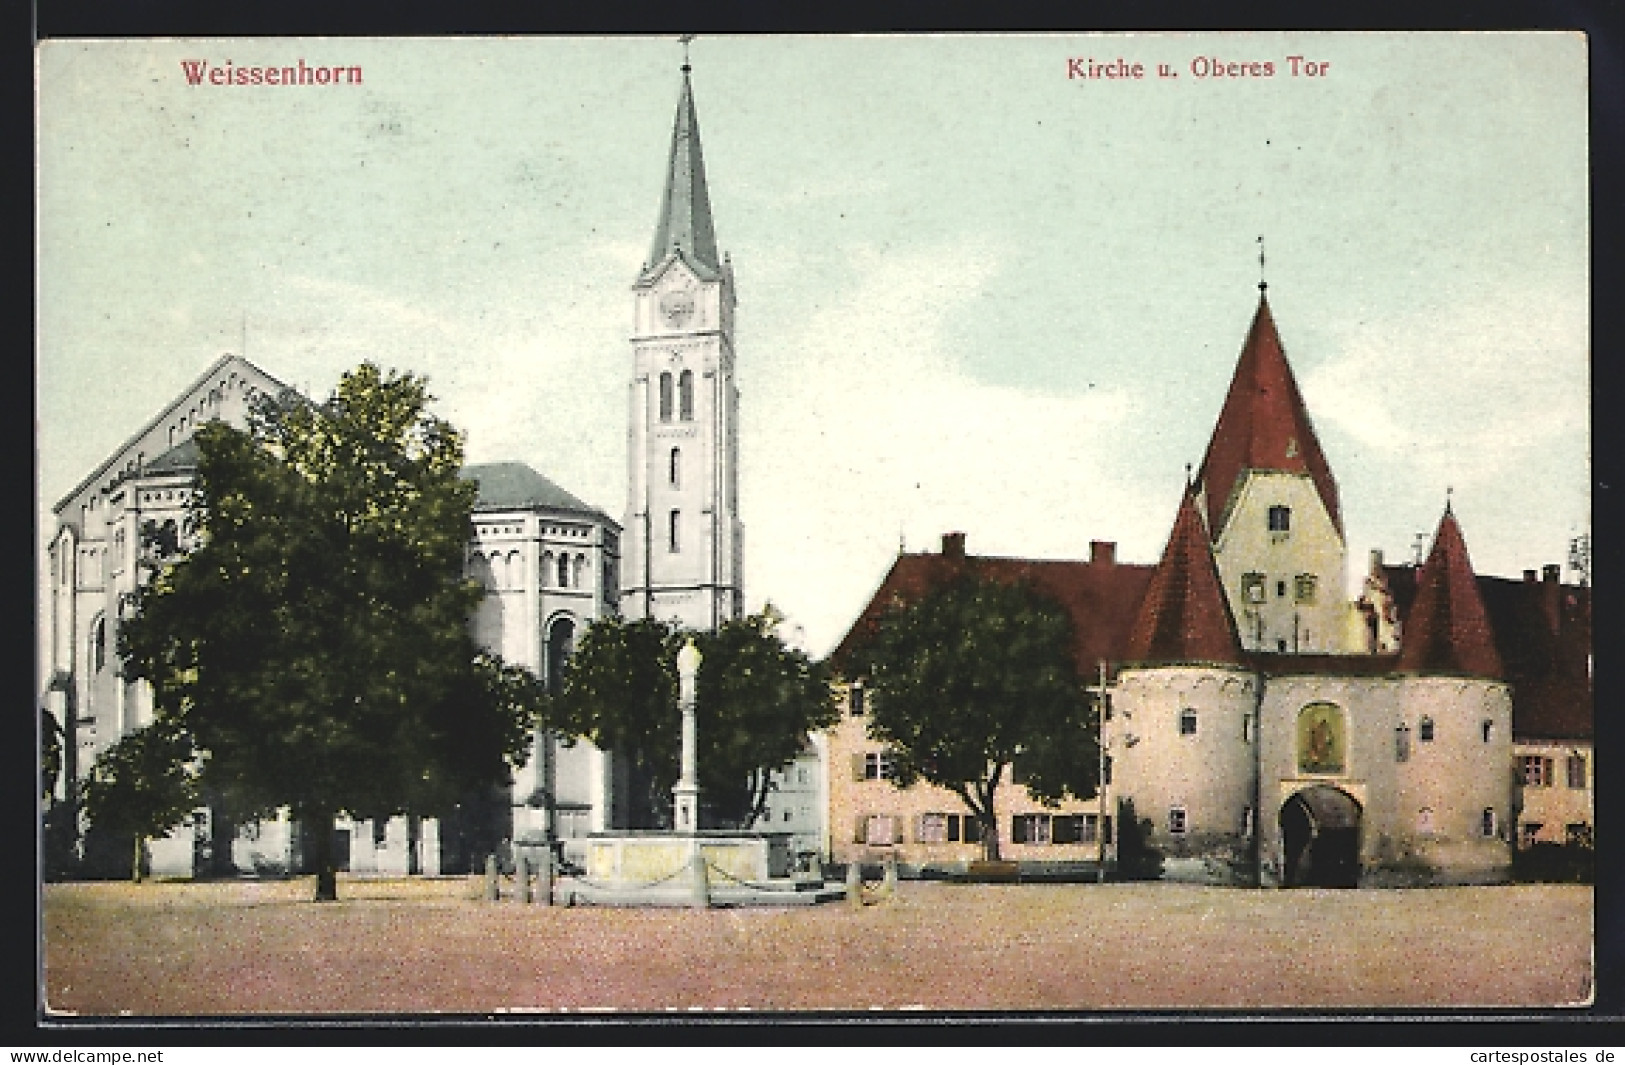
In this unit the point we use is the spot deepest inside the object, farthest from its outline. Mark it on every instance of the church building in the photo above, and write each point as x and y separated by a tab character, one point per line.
1263	728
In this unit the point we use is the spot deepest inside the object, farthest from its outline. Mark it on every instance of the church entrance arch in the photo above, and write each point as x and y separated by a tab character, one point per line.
1320	837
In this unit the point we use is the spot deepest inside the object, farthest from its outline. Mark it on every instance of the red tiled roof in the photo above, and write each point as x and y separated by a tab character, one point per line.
1542	632
1100	596
1263	425
1447	629
1185	616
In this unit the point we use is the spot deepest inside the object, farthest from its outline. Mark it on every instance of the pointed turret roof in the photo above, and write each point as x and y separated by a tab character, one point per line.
1185	616
1448	629
1264	425
685	207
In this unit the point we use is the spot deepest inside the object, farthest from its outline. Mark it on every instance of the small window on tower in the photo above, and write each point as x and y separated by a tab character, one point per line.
665	397
1280	519
685	396
1304	587
675	474
1187	722
673	541
1252	587
1424	732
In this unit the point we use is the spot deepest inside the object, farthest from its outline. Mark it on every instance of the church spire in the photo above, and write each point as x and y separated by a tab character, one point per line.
1264	425
1448	629
1184	617
685	207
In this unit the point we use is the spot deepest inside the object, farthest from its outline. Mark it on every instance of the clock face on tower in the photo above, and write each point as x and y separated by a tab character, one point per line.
677	306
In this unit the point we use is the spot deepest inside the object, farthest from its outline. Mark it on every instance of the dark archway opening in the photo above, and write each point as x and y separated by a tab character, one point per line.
1320	836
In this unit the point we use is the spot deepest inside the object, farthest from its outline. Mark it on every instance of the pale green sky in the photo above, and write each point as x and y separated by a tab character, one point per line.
974	293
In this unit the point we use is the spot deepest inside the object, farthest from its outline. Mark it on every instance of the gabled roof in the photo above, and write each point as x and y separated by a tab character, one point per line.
1448	629
1100	597
685	224
1263	425
515	486
1185	616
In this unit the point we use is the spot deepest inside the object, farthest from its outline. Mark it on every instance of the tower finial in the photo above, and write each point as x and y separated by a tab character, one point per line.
1187	477
1263	285
685	38
1449	490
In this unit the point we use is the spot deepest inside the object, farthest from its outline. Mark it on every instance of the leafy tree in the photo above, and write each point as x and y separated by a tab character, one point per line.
1137	859
315	642
968	678
50	753
142	786
755	702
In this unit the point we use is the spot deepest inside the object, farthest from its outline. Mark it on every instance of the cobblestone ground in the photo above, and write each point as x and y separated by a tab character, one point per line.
433	946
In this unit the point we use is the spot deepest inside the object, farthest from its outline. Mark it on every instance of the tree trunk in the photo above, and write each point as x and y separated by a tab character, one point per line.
135	867
990	823
320	828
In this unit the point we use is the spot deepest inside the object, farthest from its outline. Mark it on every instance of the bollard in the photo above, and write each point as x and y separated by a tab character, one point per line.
854	885
889	884
521	879
492	891
699	885
544	878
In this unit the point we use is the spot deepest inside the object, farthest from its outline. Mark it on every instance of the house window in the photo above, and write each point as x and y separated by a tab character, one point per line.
1424	821
380	831
665	397
879	765
1424	731
1303	587
856	698
1486	823
1528	832
1402	743
933	828
675	473
1252	587
1246	728
1030	828
685	396
98	645
1073	828
1187	722
1578	835
1486	729
1537	771
1576	766
878	830
1106	769
1177	820
1280	589
674	524
1280	519
964	828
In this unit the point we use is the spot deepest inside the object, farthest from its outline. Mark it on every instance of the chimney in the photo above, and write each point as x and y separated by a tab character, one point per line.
1550	590
953	545
1529	576
1102	552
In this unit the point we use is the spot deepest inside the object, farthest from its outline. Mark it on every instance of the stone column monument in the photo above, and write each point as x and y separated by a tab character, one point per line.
686	792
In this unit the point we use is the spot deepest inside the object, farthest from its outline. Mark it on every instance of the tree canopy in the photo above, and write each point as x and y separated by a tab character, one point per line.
972	677
314	641
143	785
756	700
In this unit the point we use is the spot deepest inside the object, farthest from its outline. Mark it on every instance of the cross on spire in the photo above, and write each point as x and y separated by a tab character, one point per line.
1263	285
685	38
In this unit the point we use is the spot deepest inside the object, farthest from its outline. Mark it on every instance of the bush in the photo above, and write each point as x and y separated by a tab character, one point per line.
1136	858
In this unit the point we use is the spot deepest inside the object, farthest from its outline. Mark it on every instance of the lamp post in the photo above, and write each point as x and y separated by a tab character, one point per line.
1104	705
686	792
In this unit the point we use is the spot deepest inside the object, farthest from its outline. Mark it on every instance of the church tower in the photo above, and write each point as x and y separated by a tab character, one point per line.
683	556
1271	507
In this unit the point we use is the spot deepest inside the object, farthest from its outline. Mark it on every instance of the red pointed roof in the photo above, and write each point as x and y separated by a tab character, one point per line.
1448	629
1185	616
1264	425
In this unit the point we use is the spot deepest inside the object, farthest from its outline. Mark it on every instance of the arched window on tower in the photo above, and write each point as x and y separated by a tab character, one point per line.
579	579
685	396
564	570
546	570
665	397
673	542
676	472
98	644
561	638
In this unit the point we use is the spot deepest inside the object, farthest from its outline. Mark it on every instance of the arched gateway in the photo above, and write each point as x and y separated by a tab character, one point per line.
1320	837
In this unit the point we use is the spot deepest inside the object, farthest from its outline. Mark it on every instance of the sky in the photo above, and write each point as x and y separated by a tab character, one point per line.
979	290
